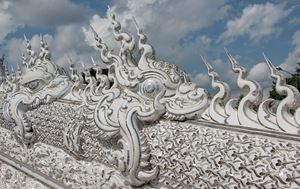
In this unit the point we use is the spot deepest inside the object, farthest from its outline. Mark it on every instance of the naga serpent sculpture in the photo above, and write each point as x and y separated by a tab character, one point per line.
117	104
131	117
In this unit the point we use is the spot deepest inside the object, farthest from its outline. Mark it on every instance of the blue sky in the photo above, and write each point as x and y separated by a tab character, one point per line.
178	30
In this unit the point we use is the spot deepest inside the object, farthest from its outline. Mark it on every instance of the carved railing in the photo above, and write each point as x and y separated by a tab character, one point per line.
223	110
134	121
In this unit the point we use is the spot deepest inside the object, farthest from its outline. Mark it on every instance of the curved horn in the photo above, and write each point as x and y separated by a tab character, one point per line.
146	49
104	52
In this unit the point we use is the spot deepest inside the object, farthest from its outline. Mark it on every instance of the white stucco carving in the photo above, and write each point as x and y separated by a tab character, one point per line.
130	124
246	115
262	118
285	119
216	108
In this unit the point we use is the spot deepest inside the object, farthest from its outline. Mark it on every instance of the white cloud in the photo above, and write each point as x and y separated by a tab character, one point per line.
102	27
165	22
68	41
64	16
294	21
202	80
261	73
296	39
45	13
257	21
290	62
223	68
205	40
13	47
6	20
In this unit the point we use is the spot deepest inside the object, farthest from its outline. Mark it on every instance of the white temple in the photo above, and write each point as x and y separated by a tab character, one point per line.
141	123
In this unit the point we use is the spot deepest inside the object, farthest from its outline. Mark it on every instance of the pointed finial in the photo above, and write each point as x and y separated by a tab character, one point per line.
93	61
2	59
227	53
18	67
5	66
94	32
25	38
19	70
135	23
69	60
12	69
6	69
268	61
42	39
266	58
82	65
205	61
231	58
7	72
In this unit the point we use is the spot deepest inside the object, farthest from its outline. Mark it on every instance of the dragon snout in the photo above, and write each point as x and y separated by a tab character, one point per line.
188	102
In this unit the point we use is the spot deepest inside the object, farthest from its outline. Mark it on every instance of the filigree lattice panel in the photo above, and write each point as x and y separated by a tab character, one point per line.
57	164
194	156
11	178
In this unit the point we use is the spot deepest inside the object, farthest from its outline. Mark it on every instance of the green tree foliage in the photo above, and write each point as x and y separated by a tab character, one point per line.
293	80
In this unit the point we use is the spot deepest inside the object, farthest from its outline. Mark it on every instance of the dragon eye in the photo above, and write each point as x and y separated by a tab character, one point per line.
33	85
151	87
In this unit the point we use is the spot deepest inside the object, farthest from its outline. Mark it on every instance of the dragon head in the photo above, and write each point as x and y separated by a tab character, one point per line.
142	90
41	82
158	85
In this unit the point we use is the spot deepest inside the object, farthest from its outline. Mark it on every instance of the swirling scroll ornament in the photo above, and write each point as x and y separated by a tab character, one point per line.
217	105
246	115
284	117
41	83
136	91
